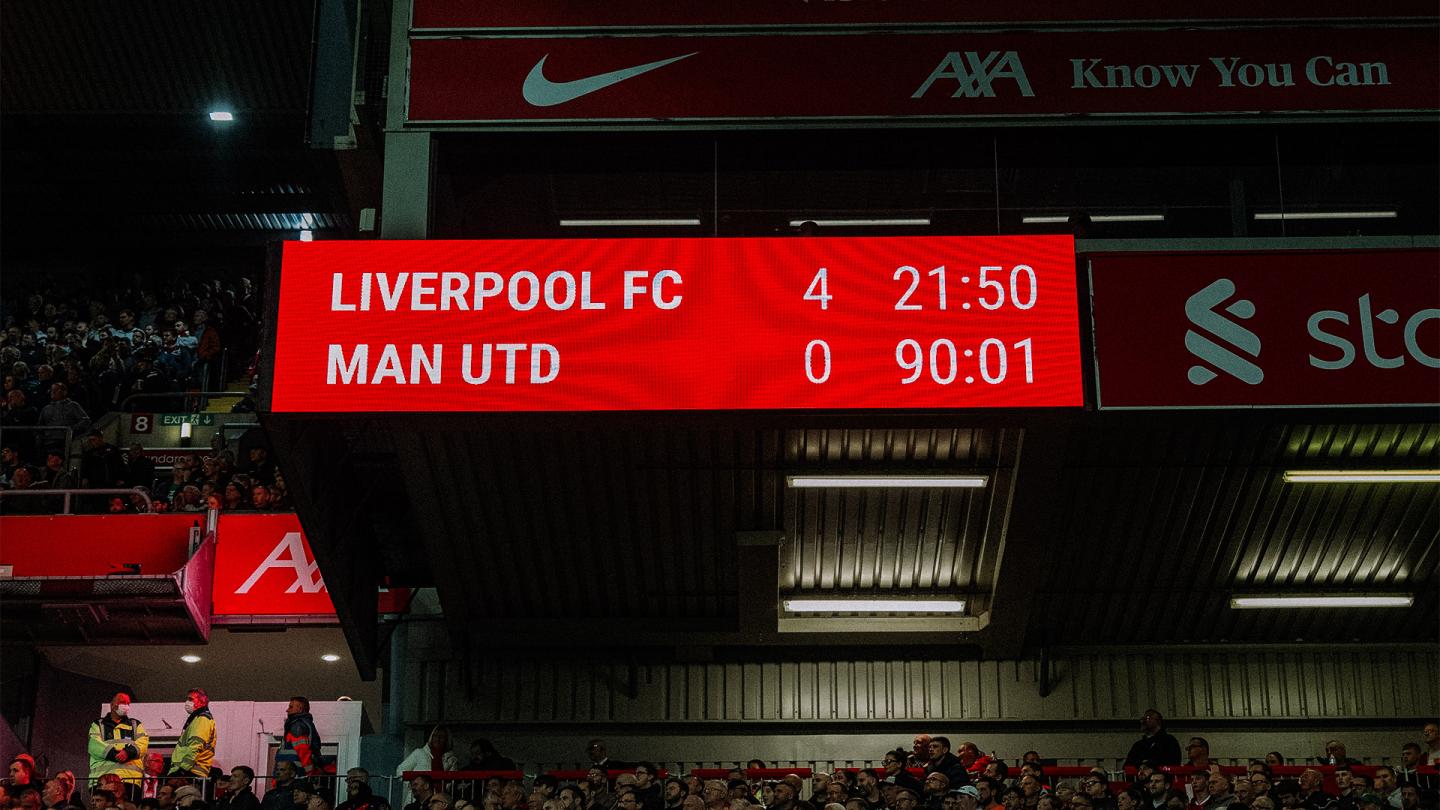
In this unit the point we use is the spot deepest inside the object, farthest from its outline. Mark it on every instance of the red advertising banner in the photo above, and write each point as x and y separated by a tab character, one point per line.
460	14
263	567
677	324
88	545
1235	330
828	77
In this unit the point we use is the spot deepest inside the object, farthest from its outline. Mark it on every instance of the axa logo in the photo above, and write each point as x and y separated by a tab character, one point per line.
1230	358
289	555
975	74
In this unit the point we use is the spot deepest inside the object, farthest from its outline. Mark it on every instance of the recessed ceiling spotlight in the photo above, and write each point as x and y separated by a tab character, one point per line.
329	658
222	115
190	659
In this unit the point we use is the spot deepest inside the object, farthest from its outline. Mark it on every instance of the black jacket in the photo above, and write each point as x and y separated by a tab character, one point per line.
951	766
1161	749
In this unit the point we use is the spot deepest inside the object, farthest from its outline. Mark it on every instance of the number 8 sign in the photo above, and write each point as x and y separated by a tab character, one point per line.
142	422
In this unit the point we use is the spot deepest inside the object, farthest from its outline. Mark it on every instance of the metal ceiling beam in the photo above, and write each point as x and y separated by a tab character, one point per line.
1031	522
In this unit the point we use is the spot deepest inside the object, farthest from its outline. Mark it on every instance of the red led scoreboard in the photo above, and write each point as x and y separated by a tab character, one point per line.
677	324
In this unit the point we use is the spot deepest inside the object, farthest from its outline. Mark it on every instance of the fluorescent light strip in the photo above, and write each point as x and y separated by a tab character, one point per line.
1294	215
862	223
1057	220
1362	476
625	223
874	605
1321	601
887	481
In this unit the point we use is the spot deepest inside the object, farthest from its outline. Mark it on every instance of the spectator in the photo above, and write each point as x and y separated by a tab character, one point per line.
937	788
714	793
942	761
358	793
1096	786
238	795
139	470
1219	787
55	475
1200	791
1131	799
282	795
207	350
1287	794
1335	755
55	795
19	413
100	799
672	791
1274	758
1157	745
101	465
1198	751
820	789
919	755
868	785
62	412
483	756
434	755
118	743
195	752
597	789
969	754
189	796
1430	734
1385	784
1312	793
1259	782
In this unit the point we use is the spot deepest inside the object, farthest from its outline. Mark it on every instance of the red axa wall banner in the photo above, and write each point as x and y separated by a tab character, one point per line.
830	76
263	567
932	322
1301	328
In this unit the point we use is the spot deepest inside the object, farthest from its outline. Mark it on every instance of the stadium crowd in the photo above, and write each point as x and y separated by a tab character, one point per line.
930	775
72	352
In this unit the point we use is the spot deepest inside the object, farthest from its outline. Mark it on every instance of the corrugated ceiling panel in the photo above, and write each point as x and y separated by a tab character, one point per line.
1162	527
895	540
1087	688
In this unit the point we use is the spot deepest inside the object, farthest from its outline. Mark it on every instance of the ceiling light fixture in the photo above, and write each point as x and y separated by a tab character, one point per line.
1322	601
1362	476
1058	220
887	481
222	115
1299	215
626	223
190	659
874	605
329	658
307	236
912	222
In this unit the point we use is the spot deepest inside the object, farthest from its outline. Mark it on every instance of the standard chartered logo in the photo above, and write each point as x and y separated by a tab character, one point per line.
1200	310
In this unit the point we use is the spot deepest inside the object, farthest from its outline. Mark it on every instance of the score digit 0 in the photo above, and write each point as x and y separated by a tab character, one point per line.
810	352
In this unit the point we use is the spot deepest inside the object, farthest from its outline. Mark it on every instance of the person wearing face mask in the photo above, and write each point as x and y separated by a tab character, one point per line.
195	752
118	743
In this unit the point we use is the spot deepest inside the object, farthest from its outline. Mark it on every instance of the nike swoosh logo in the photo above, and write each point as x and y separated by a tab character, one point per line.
542	92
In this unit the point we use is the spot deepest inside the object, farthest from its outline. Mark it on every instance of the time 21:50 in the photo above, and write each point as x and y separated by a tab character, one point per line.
1022	288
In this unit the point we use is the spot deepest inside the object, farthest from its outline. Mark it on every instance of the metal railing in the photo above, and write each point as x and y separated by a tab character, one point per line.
68	494
191	400
68	431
